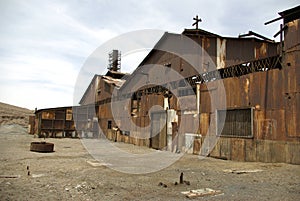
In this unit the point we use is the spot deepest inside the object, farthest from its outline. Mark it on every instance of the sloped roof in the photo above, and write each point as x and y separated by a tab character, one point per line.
198	32
117	74
287	15
290	14
87	89
114	81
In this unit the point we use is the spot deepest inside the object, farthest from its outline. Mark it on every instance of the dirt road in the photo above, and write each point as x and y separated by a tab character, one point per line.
70	173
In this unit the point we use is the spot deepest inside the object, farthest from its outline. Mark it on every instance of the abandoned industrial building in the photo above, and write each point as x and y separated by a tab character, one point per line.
260	81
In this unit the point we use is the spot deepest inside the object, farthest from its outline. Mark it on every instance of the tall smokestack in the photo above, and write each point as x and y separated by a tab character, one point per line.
114	60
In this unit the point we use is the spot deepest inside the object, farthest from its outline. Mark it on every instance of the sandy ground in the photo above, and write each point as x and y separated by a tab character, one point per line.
66	174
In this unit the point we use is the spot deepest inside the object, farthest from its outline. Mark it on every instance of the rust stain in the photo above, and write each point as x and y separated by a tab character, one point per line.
261	51
221	53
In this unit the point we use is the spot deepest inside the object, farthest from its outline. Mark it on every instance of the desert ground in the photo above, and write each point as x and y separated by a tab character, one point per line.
71	173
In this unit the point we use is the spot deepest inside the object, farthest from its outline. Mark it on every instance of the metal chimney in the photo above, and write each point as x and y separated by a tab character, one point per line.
114	60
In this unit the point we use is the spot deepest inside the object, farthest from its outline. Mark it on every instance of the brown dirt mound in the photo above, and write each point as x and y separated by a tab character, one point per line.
10	114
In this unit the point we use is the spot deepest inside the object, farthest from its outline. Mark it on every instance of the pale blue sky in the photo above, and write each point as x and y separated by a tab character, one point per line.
44	44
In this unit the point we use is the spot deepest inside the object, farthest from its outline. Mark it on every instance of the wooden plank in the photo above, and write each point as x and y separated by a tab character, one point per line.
201	192
204	123
205	104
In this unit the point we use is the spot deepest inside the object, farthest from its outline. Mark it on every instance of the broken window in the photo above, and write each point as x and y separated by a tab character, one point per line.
237	122
187	91
125	133
135	103
69	114
109	123
48	115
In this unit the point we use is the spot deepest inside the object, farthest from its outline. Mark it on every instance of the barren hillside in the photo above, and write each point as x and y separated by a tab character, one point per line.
10	114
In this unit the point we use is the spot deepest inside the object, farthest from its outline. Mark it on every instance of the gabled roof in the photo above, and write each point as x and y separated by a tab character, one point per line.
111	77
87	89
189	33
155	48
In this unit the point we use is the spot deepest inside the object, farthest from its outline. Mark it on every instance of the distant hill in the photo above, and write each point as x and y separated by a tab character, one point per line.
10	114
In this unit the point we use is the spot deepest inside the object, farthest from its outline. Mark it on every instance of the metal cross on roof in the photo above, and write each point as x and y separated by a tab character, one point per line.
197	20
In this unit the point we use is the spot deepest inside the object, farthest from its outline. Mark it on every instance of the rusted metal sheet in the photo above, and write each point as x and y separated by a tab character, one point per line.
258	89
293	150
232	88
260	50
250	150
216	151
225	148
292	33
259	117
244	84
263	152
238	149
221	53
291	116
44	147
275	125
298	114
291	81
278	151
236	53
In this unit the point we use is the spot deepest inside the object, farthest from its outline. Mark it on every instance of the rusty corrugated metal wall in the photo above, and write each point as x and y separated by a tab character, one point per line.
270	87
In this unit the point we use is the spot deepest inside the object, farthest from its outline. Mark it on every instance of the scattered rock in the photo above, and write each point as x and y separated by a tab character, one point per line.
162	184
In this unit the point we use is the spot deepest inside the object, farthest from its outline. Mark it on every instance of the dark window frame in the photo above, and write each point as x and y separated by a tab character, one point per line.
109	124
236	120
